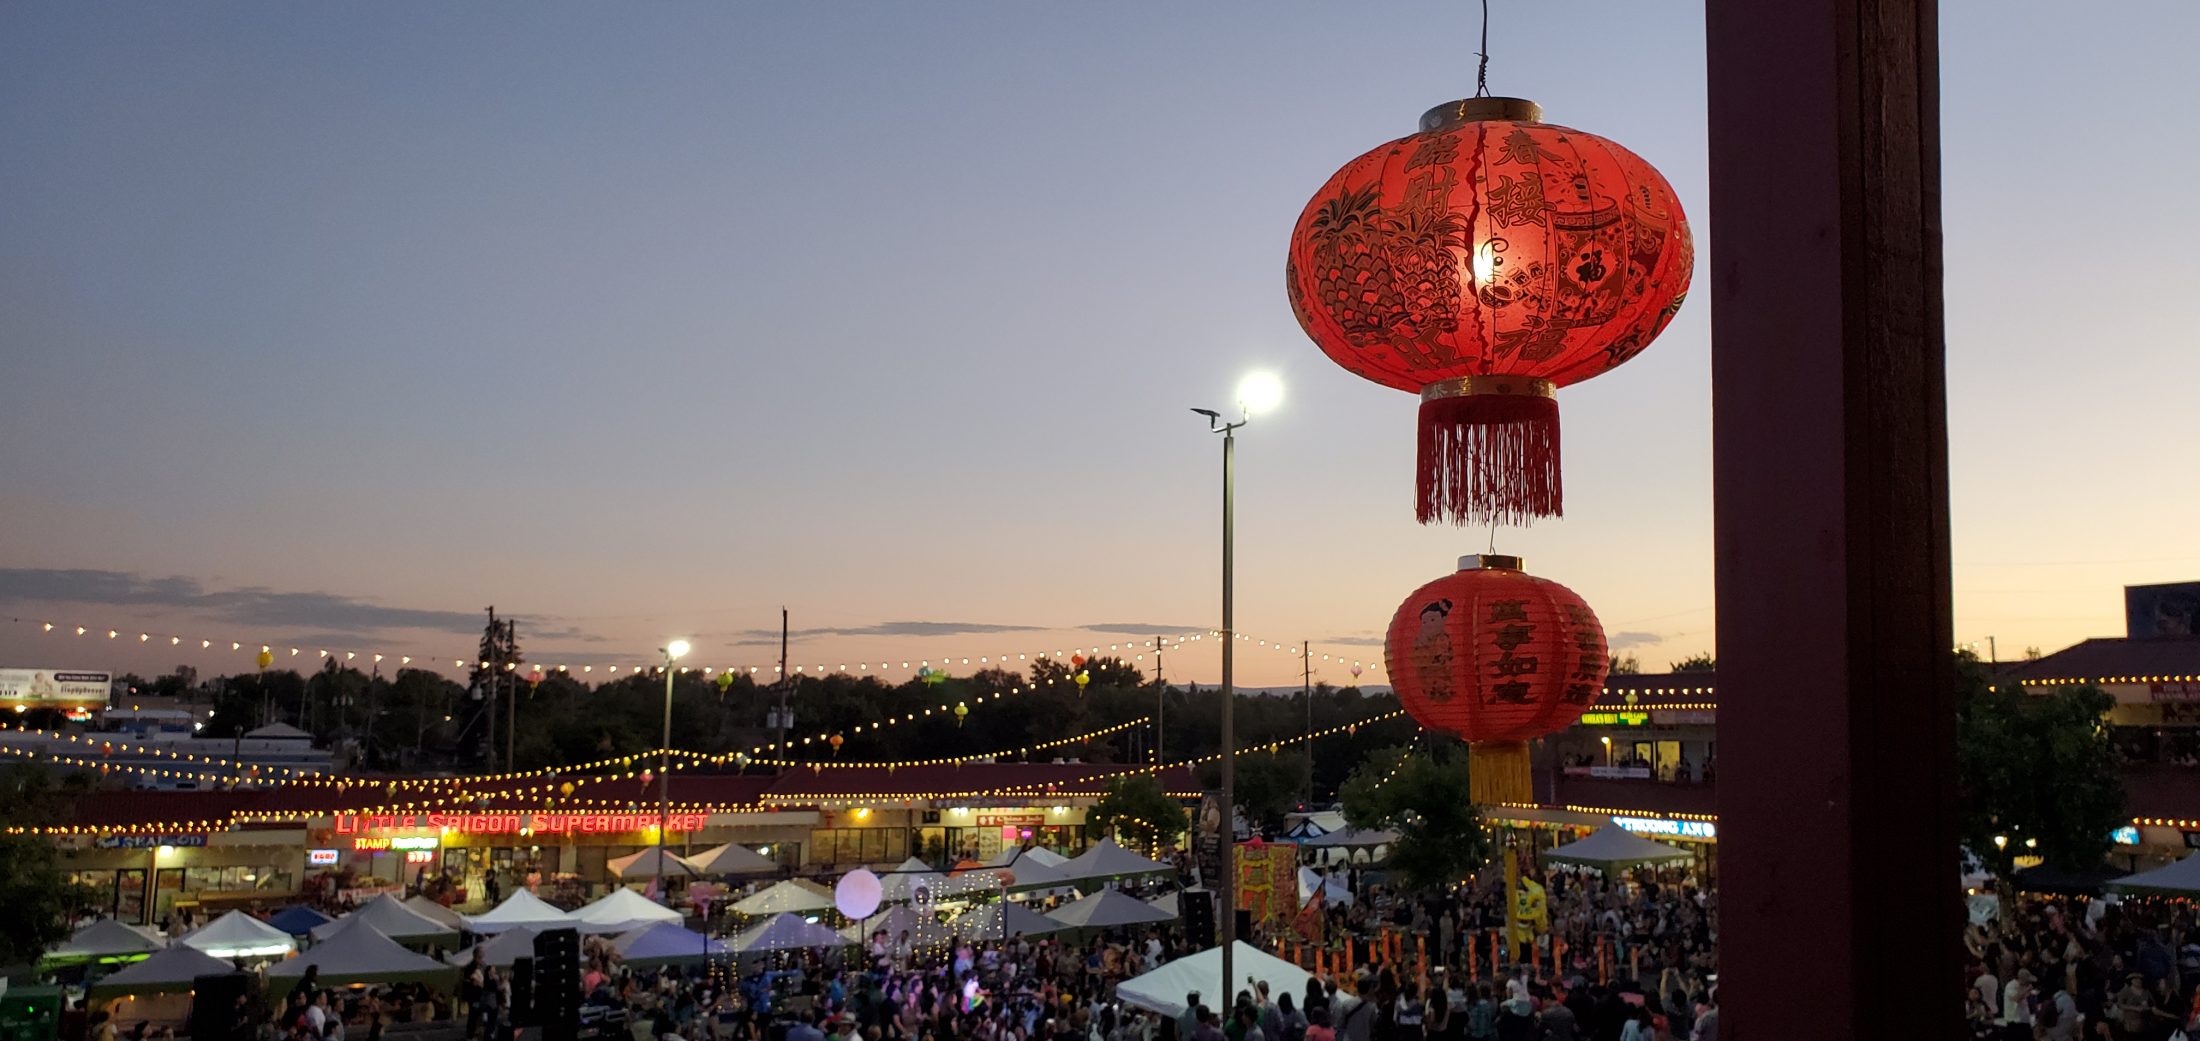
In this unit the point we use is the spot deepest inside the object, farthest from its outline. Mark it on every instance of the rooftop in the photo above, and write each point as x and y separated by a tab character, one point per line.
2115	659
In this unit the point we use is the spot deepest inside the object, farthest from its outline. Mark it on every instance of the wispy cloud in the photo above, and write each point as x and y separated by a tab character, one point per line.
1622	641
565	634
252	605
1141	628
893	629
1354	640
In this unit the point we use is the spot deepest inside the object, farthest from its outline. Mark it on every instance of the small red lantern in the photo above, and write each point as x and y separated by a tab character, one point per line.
1496	657
836	741
1485	262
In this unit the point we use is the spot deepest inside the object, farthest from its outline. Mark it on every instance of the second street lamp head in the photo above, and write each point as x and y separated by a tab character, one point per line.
1260	392
676	650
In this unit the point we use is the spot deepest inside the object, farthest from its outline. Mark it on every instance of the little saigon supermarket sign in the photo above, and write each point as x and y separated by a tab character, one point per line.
515	823
1674	828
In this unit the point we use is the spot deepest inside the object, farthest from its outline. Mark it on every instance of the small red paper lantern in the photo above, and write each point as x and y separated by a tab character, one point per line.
1485	262
1496	657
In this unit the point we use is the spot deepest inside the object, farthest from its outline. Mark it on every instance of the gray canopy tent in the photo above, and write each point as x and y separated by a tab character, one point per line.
2178	879
1613	848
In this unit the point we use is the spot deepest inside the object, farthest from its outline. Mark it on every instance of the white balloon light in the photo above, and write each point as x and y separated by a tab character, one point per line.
858	893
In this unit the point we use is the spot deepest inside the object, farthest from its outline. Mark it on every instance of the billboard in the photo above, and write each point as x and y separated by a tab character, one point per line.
55	687
2171	609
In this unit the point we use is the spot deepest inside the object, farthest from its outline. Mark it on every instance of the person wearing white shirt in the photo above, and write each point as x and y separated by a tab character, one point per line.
317	1013
2015	994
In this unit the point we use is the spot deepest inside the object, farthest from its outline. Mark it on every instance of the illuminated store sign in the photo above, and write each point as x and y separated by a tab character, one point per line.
320	857
511	823
2128	835
1614	719
147	841
1662	826
411	842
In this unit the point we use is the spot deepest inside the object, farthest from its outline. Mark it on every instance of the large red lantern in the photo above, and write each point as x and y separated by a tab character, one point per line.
1496	657
1484	263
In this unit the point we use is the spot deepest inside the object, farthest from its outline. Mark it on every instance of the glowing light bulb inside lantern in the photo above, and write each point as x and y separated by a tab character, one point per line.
1486	261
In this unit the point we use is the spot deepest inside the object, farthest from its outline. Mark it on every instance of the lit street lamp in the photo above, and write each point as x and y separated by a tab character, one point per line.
674	651
1258	392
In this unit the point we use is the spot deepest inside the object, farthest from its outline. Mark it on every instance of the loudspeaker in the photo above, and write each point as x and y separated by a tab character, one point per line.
557	984
1244	925
214	1005
1198	911
523	992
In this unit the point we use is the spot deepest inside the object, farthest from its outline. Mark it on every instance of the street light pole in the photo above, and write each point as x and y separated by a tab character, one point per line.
1258	392
1228	889
673	651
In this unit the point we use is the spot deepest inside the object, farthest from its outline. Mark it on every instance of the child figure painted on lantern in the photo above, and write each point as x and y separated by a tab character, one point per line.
1431	654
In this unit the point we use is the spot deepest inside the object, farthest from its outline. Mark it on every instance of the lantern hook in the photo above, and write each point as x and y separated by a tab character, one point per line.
1482	68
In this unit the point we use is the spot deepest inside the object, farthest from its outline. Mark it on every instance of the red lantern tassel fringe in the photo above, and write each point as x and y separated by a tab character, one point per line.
1498	772
1489	457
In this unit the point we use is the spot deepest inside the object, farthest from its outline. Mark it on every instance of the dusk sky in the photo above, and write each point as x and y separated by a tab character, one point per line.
331	324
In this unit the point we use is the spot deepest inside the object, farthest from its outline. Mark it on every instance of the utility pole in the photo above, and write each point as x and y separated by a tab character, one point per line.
780	751
1160	701
510	672
487	685
1306	681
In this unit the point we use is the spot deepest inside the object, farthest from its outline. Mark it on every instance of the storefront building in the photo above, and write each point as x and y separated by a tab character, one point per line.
1646	754
151	854
143	878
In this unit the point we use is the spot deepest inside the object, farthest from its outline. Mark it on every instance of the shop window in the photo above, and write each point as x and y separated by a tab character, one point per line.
851	846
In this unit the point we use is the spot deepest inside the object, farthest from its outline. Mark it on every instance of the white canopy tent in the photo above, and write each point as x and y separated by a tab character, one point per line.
1106	859
500	950
1352	838
1163	989
166	972
901	885
924	930
1333	890
785	932
650	863
239	935
435	912
1028	872
798	895
1041	854
103	939
666	943
391	918
732	858
623	906
1107	909
2181	878
357	953
1172	903
521	908
1613	848
984	922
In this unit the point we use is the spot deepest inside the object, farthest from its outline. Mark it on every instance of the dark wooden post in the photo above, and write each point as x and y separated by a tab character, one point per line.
1836	707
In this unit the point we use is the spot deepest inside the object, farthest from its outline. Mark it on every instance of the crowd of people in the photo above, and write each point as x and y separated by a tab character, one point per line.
1626	958
2064	969
1634	962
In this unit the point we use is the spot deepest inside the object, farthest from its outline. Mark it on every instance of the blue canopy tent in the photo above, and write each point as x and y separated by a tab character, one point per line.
298	921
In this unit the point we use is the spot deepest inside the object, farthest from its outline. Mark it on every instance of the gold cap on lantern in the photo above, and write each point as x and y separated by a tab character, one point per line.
1489	562
1476	110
